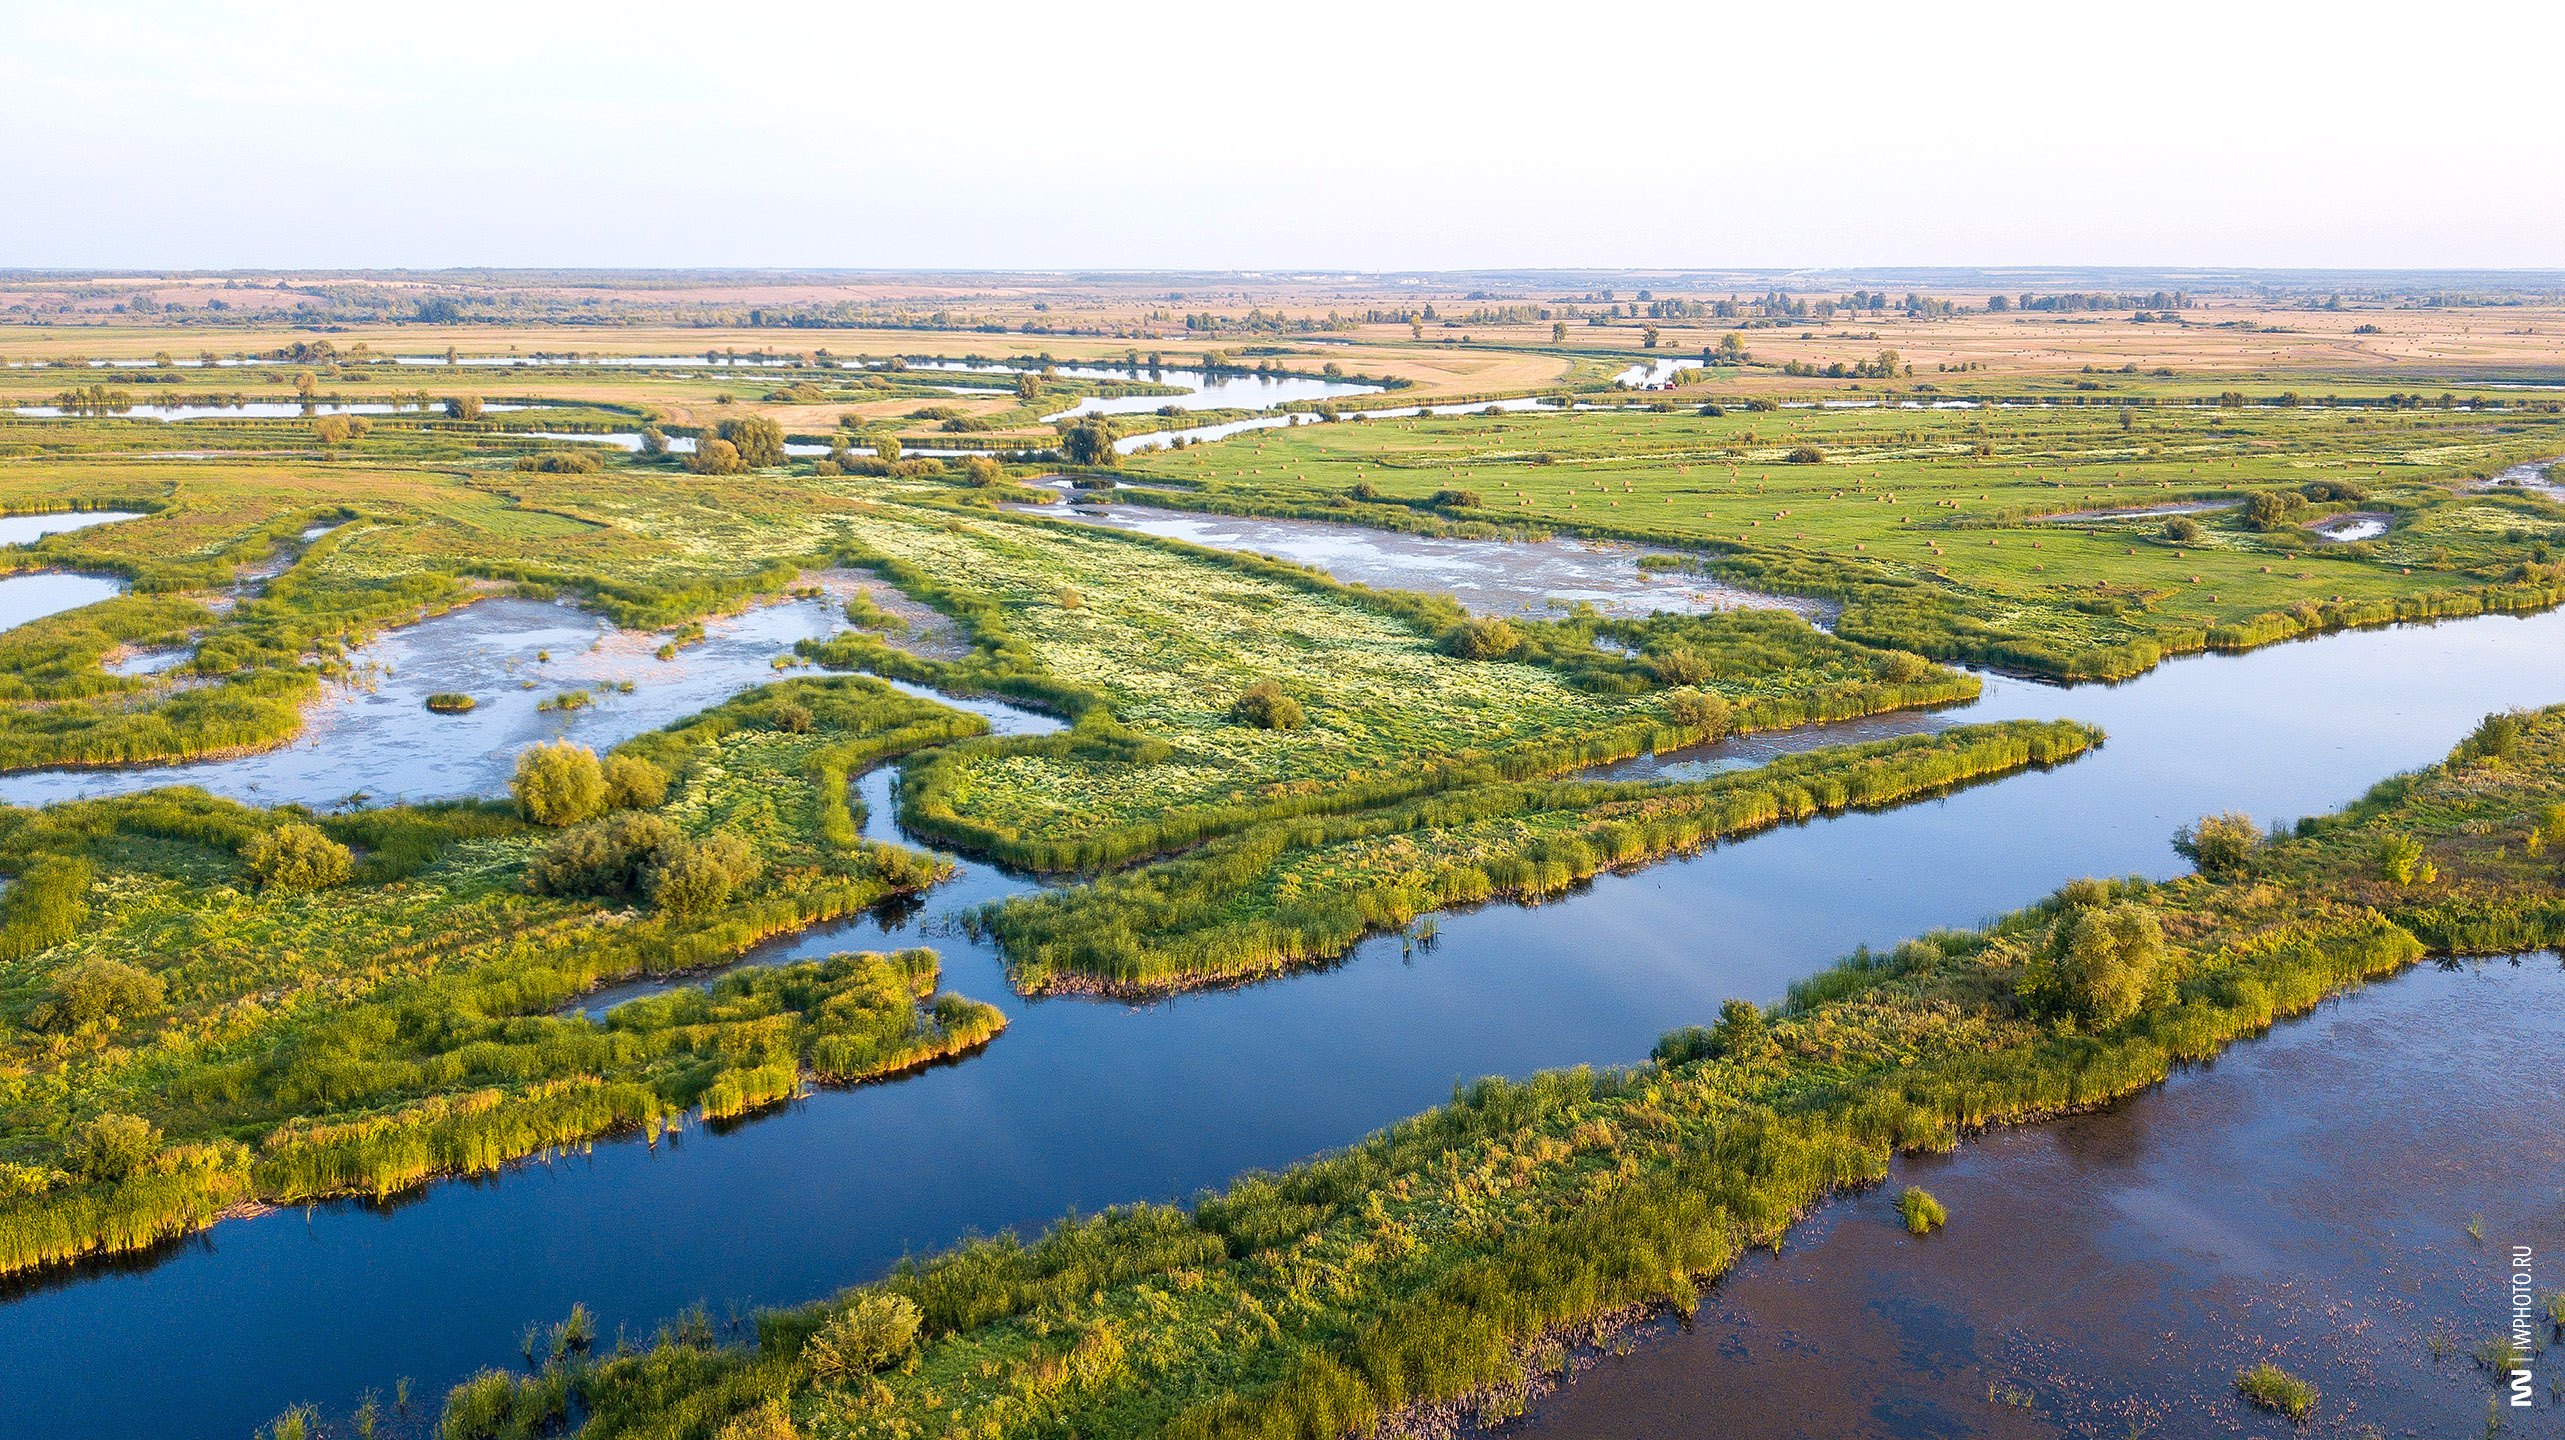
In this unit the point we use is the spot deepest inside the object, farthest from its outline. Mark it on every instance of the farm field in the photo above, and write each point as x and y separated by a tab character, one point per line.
1151	775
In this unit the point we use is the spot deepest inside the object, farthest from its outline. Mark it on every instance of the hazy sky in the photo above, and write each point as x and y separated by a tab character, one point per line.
1372	136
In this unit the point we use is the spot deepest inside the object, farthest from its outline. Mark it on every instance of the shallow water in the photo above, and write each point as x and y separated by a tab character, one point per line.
372	735
1082	1104
35	596
1224	391
2304	1200
255	410
28	529
2358	525
1490	577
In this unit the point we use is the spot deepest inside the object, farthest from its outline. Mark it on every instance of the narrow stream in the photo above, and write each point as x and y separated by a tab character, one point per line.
1082	1103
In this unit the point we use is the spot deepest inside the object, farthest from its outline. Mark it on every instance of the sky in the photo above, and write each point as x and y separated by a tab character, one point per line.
1374	136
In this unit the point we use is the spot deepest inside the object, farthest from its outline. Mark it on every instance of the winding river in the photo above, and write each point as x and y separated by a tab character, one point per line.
1086	1103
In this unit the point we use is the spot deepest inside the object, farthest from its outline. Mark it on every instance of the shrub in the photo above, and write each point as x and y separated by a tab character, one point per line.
693	878
1922	1213
611	858
110	1147
1483	638
769	1420
869	1334
759	441
96	990
561	462
715	456
2219	844
1805	455
983	472
1700	710
2496	738
2272	509
295	856
2182	529
2102	964
1462	499
633	783
1264	706
2266	1386
559	784
2401	862
463	407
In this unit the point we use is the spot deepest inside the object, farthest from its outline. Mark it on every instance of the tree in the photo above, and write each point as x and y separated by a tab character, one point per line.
654	441
1027	386
1264	706
559	784
759	441
1558	332
1732	348
614	857
887	449
305	382
715	456
1483	637
1089	443
462	407
295	856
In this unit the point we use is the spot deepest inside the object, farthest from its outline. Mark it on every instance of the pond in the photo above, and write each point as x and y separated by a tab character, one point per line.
1517	577
373	736
2305	1200
2356	525
28	529
35	596
1085	1103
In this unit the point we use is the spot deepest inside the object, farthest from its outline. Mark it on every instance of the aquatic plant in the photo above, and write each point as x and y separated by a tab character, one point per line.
450	702
2268	1387
1922	1213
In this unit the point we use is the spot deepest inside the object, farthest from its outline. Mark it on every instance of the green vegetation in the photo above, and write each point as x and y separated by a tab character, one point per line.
214	1005
448	702
2266	1386
1298	891
1922	1213
2019	538
1415	1268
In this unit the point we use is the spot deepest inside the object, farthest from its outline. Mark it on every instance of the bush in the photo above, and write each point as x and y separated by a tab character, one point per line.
1461	499
2401	862
2182	529
463	407
633	783
295	856
1483	638
2496	738
559	784
1264	706
694	878
1805	455
561	462
111	1147
2272	509
1700	710
1089	443
983	472
92	991
2219	844
611	858
759	441
46	906
2102	964
1922	1213
714	456
869	1334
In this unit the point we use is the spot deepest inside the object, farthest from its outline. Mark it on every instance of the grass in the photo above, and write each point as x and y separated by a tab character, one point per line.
1922	1213
2268	1387
1413	1269
360	1038
1933	528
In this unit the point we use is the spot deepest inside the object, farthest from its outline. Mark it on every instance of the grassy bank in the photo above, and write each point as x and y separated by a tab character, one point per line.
1419	1266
